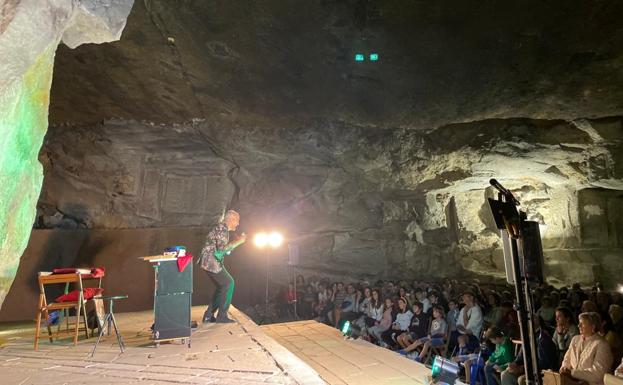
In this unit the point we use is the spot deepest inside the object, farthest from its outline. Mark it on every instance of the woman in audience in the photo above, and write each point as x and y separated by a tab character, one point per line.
565	331
385	323
372	312
399	325
588	357
364	304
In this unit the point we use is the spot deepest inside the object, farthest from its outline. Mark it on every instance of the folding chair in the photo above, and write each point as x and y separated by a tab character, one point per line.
438	350
44	307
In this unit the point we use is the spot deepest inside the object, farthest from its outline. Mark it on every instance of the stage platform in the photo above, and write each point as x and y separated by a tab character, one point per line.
341	361
238	353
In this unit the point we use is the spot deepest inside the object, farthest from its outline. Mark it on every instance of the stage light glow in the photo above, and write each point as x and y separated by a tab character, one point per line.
275	239
261	240
620	288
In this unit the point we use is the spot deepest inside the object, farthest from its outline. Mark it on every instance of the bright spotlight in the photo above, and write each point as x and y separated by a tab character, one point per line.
620	288
275	239
261	240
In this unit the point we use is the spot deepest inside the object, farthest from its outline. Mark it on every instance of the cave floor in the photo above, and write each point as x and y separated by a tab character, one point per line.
239	353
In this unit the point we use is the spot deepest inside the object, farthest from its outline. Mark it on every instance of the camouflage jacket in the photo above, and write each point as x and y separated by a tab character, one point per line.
217	239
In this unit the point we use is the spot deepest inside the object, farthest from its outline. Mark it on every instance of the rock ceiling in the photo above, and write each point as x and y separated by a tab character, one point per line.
376	165
277	62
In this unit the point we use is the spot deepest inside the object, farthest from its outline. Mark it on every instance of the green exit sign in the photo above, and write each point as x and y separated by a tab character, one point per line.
362	57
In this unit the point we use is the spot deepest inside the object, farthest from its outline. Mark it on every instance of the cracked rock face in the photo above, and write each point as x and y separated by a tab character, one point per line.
30	30
357	201
373	168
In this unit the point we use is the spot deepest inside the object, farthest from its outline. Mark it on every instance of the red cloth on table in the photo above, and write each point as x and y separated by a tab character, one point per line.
182	262
96	272
73	296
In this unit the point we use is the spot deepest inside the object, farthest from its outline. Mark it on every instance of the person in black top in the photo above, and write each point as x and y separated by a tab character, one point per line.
418	327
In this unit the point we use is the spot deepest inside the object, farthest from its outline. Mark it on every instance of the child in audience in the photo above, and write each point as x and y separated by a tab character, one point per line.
436	335
453	315
501	357
417	327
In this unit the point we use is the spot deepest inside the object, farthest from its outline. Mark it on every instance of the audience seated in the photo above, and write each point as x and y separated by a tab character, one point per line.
437	334
547	357
565	331
394	314
400	324
501	357
588	357
418	326
385	323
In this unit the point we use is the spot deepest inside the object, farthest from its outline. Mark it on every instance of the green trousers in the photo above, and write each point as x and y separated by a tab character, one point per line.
221	299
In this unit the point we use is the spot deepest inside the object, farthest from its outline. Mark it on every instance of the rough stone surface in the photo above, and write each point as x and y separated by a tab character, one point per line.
372	168
276	62
30	30
357	201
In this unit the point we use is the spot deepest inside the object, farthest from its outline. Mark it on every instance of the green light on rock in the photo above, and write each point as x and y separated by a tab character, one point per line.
374	56
359	57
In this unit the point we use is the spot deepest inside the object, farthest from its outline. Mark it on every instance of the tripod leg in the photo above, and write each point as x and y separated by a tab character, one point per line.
119	338
101	334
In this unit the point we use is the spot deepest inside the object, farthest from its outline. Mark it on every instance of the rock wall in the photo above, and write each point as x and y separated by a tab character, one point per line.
356	200
30	30
119	251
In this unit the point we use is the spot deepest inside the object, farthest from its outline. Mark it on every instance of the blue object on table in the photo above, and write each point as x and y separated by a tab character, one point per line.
174	249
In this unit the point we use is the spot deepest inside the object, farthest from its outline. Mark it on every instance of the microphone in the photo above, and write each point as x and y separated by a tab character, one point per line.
504	191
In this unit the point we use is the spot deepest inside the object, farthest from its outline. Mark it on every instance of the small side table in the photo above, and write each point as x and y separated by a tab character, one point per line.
108	320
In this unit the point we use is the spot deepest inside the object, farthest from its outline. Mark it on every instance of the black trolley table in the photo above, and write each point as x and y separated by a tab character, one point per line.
172	299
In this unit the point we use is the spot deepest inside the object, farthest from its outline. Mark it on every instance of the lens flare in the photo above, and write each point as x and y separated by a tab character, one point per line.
260	240
275	239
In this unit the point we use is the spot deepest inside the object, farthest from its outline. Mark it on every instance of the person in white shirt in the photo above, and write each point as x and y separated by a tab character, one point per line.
469	322
588	357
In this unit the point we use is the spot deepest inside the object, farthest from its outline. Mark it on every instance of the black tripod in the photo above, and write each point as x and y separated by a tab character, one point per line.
265	316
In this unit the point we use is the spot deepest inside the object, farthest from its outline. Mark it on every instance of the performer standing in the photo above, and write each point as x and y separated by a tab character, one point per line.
212	255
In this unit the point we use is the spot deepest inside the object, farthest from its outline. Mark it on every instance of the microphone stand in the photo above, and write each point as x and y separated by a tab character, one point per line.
513	221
